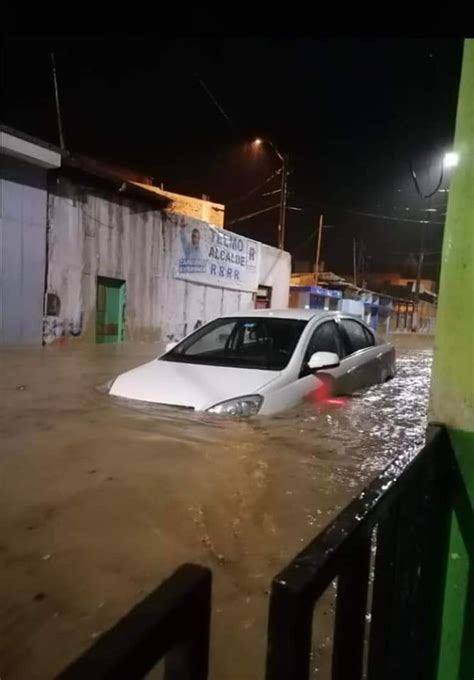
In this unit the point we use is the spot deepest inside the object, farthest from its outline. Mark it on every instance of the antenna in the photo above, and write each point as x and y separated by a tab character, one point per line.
58	110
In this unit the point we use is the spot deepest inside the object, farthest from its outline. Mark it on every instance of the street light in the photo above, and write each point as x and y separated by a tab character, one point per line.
451	159
283	191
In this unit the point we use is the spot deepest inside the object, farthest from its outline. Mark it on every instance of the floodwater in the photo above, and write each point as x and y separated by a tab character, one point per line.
100	501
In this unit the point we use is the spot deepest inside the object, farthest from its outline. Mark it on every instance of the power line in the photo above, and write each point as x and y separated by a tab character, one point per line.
255	189
306	240
250	215
362	213
388	217
214	101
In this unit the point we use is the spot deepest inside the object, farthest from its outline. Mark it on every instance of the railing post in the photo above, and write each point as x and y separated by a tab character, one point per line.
289	634
173	620
437	490
188	659
351	611
383	597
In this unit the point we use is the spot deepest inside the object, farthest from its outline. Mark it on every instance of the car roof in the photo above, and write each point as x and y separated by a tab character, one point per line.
293	313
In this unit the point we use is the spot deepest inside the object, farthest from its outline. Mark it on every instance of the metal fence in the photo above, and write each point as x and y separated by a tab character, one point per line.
387	550
172	623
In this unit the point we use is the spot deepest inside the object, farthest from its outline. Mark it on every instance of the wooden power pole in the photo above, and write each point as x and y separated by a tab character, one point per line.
318	251
354	259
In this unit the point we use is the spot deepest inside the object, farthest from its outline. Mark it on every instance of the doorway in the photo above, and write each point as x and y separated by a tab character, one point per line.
263	299
110	310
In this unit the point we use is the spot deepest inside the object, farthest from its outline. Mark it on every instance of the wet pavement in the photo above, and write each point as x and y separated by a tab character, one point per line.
101	500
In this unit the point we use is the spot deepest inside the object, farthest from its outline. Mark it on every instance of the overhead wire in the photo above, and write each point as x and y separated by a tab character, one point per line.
250	215
266	181
374	215
387	217
214	101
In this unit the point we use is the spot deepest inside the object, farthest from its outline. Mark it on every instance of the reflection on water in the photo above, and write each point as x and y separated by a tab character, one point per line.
101	499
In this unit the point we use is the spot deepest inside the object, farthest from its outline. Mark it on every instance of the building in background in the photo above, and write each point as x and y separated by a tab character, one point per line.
122	266
315	297
198	208
382	280
122	259
388	308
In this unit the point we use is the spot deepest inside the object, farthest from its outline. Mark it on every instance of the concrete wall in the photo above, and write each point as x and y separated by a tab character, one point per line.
275	271
93	233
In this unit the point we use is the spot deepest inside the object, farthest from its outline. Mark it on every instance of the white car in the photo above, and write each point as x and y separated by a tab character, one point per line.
261	361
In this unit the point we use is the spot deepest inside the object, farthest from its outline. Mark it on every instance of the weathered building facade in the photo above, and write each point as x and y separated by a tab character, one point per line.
90	253
107	245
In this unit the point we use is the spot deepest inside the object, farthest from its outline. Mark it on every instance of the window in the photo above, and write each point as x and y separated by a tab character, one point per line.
324	339
213	341
53	304
241	342
355	336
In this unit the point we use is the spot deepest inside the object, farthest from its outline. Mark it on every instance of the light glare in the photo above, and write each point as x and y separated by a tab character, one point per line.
451	159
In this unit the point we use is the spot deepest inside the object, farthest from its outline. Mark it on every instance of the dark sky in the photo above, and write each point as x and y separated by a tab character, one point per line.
350	113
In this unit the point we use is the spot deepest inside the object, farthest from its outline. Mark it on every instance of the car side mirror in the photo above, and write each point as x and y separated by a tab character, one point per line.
320	360
170	345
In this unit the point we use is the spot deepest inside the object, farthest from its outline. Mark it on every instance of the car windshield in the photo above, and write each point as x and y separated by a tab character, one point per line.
241	342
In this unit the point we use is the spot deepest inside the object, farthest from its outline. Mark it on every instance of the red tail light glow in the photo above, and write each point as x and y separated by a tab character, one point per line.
324	393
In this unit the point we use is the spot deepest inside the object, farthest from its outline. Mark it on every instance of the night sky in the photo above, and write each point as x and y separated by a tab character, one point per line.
351	114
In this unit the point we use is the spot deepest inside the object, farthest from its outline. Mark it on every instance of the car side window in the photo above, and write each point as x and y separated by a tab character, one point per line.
325	338
355	336
369	336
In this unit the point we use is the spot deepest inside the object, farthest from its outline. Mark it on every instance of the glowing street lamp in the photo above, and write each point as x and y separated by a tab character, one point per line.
451	159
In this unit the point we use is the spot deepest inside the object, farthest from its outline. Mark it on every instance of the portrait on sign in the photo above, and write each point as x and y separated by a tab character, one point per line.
192	260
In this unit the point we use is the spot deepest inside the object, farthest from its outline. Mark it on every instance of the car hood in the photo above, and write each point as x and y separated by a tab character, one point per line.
191	385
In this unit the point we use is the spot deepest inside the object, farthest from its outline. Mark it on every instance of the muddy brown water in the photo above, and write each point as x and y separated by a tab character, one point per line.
100	500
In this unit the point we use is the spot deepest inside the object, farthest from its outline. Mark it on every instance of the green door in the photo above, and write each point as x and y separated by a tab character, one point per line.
110	314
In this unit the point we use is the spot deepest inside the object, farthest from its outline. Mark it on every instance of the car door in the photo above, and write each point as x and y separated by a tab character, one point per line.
297	382
325	338
362	356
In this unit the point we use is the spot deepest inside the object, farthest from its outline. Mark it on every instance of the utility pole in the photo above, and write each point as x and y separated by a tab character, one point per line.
419	274
284	158
283	195
361	262
354	260
318	251
58	110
